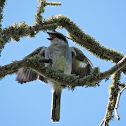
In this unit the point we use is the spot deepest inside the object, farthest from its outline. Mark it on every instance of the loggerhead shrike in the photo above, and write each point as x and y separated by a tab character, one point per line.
68	60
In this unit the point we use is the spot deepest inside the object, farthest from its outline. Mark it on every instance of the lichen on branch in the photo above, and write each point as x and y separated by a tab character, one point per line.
85	40
81	38
113	92
2	3
40	11
36	62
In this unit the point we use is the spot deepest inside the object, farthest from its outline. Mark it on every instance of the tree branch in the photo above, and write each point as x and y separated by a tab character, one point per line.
21	30
2	3
75	32
28	61
16	31
41	6
85	40
113	92
35	63
117	103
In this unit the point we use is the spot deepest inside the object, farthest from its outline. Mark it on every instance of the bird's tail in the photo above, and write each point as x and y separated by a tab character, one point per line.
56	98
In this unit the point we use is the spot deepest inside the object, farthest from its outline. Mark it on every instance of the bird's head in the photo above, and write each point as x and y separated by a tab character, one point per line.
56	37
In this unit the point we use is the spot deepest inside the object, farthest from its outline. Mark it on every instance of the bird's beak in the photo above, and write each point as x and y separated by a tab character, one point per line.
51	36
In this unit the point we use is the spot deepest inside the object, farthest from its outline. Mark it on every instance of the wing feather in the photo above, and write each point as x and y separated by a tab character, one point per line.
25	75
81	65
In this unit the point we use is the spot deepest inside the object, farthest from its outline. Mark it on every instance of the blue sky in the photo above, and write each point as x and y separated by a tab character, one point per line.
30	104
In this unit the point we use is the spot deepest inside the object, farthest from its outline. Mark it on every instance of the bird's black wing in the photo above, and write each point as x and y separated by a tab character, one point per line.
81	65
25	75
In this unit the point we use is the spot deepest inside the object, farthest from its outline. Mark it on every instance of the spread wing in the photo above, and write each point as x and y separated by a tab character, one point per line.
81	65
25	75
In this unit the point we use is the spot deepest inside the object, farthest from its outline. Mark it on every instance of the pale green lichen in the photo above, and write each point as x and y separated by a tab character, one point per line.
34	60
2	3
40	11
84	40
113	92
53	4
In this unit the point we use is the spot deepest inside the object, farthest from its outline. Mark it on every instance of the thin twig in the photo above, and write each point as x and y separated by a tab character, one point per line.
104	120
117	103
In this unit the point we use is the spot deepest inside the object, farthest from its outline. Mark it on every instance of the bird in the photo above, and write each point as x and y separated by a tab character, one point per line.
65	59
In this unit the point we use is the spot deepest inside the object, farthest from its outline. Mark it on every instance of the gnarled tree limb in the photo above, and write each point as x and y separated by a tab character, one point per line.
36	63
114	88
77	34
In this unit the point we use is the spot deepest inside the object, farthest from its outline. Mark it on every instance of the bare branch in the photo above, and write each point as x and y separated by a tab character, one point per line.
117	103
104	120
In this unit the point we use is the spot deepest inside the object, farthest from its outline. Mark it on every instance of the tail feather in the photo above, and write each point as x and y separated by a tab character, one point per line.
56	98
